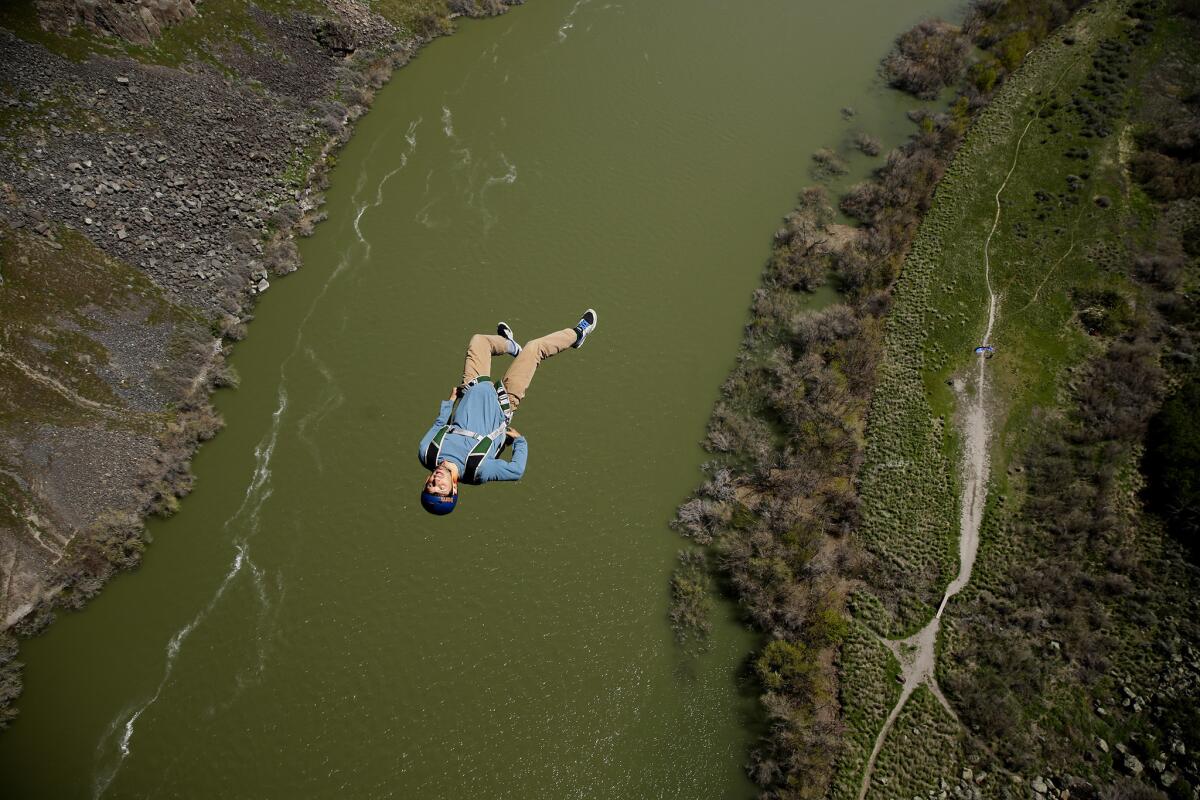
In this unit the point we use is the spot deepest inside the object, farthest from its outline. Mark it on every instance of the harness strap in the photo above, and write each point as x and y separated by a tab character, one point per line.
429	459
505	402
501	394
483	442
458	430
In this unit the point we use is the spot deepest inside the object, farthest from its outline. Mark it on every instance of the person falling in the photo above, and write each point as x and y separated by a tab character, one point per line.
457	448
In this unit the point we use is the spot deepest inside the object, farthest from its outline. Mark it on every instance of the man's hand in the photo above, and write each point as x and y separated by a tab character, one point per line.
454	393
512	434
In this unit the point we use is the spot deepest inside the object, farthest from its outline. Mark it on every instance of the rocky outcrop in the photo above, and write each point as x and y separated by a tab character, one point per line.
136	21
165	196
336	38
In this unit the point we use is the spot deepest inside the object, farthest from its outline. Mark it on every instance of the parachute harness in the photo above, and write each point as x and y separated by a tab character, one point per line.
483	442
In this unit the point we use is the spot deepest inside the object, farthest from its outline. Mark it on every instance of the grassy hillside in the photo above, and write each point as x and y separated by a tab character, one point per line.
1056	213
1065	658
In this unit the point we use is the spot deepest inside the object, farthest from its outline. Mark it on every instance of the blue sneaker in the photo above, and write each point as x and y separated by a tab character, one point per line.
587	324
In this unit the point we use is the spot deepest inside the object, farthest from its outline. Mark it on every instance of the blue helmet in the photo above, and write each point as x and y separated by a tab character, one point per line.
437	503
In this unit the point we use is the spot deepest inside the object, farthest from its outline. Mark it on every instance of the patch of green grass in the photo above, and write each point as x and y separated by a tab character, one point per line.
217	24
415	17
1042	249
869	688
47	300
295	174
922	750
1062	271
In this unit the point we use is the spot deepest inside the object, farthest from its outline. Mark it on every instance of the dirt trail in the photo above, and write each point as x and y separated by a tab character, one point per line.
54	385
918	653
976	441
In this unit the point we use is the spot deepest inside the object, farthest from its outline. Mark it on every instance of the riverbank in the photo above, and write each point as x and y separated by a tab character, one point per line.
153	187
841	432
308	625
1060	644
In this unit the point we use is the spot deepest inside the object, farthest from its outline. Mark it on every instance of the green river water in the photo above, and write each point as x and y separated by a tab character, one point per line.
301	628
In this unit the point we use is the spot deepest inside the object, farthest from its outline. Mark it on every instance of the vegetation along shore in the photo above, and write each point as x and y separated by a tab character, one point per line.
971	570
156	163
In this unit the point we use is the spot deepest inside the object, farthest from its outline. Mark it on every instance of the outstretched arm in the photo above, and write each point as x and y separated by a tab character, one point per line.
442	418
495	469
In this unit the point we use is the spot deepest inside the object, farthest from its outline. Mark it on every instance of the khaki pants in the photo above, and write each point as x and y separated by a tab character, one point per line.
483	346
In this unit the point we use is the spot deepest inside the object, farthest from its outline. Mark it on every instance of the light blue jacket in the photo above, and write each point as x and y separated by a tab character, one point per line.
478	411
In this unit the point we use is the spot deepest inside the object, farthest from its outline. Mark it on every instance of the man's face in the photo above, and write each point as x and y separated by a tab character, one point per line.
440	481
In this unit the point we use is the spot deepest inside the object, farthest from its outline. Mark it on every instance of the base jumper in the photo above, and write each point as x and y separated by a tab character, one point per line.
465	442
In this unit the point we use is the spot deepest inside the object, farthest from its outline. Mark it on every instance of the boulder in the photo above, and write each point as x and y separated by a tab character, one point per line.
337	39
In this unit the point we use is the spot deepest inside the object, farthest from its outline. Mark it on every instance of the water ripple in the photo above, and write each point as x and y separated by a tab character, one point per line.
569	22
508	178
411	137
331	399
257	492
246	521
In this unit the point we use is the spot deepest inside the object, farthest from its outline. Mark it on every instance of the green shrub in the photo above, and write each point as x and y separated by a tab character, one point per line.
1012	49
1172	463
691	597
784	666
984	74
